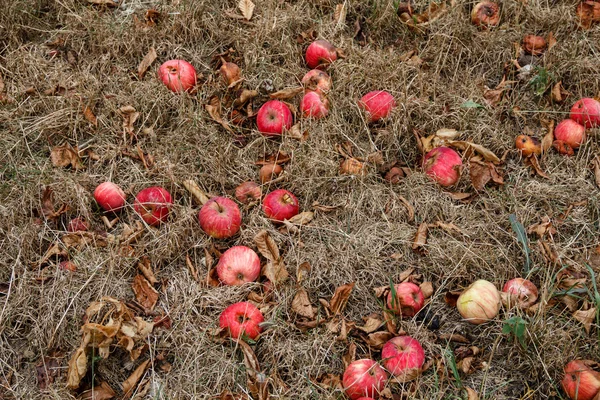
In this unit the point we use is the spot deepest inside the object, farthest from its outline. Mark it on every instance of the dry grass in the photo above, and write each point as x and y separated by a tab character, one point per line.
352	244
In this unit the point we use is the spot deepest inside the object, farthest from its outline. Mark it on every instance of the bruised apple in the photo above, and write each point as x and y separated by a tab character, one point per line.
317	80
247	192
581	381
364	378
521	291
238	265
570	132
377	104
402	355
280	204
178	75
528	145
320	54
443	165
485	13
479	303
242	319
220	218
408	301
153	205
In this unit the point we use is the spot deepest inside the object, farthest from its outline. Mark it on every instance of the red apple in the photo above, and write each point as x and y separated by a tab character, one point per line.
570	132
485	13
408	301
153	205
280	204
77	225
586	112
378	104
320	54
317	80
479	303
273	118
521	291
238	265
314	105
247	192
443	165
581	382
364	378
109	196
178	75
402	355
528	145
365	398
242	319
220	218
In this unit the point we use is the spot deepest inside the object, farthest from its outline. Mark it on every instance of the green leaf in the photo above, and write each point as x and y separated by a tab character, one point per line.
471	104
522	238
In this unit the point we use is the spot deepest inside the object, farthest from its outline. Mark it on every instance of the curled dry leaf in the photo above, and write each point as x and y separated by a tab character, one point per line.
339	14
338	301
372	323
77	368
427	289
301	305
548	137
267	246
257	381
534	163
275	271
543	228
247	8
88	114
454	337
586	317
145	293
483	172
131	383
558	93
214	110
286	94
296	133
302	271
485	153
130	115
420	238
99	392
107	3
352	166
48	205
302	219
376	340
146	62
350	355
244	97
471	394
66	155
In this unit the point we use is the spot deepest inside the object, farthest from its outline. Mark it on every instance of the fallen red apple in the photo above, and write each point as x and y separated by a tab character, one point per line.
77	225
402	356
247	192
178	75
581	380
109	196
365	398
534	45
485	13
313	105
242	319
273	118
317	80
586	112
570	132
153	205
364	378
521	291
67	266
280	204
443	165
479	303
220	218
320	54
378	104
408	301
528	145
238	265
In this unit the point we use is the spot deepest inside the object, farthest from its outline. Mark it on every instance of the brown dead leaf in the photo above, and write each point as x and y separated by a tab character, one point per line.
146	62
66	155
409	208
558	93
427	289
451	297
533	162
485	153
304	218
88	114
192	268
460	196
329	381
214	110
551	40
302	271
145	293
47	369
286	94
130	115
257	381
130	383
350	355
267	246
596	164
296	133
77	368
247	8
146	268
587	12
275	271
244	97
543	228
480	175
586	317
418	244
548	137
340	298
454	337
301	304
372	323
376	340
471	394
100	392
48	205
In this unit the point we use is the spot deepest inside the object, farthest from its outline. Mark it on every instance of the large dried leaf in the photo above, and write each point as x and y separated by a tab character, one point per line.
586	317
543	228
247	8
471	394
301	304
596	164
275	271
340	298
146	62
101	392
131	383
296	133
286	94
485	153
267	246
420	238
372	323
302	219
376	340
88	114
77	368
257	381
145	293
48	205
66	155
214	110
548	138
427	289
